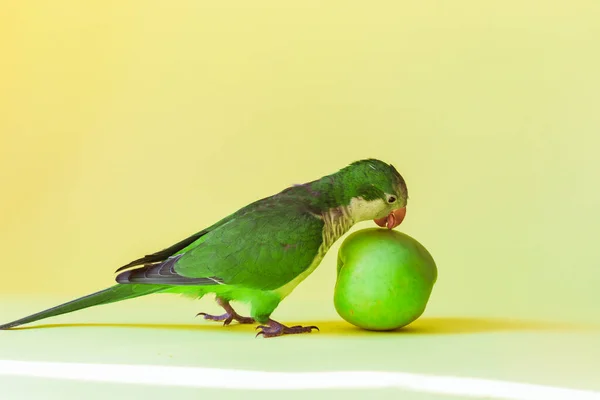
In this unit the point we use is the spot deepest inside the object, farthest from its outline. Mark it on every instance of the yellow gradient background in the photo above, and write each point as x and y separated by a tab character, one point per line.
126	126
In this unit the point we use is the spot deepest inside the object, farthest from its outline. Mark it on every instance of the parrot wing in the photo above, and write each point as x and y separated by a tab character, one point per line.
263	248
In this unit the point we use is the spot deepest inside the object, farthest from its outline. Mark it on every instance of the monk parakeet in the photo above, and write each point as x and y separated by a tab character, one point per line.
260	253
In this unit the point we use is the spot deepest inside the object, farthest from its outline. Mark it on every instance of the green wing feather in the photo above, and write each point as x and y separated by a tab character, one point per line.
261	247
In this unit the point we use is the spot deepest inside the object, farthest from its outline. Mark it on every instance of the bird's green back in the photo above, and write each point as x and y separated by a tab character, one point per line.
269	242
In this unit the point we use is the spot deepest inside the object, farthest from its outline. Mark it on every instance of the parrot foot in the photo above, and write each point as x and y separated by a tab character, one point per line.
227	318
274	329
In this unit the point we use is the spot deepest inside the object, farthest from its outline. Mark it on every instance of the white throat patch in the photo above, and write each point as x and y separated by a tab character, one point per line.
362	210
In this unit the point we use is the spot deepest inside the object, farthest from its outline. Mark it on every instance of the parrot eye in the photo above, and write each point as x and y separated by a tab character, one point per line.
391	199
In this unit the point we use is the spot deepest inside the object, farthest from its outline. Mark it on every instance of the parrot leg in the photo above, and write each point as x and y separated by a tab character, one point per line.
229	315
274	328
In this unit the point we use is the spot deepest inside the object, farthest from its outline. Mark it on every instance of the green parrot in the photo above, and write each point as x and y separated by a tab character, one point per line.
260	253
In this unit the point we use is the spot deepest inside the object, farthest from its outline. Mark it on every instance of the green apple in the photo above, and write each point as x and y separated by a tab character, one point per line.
384	279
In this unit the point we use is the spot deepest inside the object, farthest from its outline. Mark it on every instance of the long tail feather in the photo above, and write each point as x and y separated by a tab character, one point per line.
106	296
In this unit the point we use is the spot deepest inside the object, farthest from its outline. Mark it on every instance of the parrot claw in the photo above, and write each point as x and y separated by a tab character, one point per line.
276	329
227	318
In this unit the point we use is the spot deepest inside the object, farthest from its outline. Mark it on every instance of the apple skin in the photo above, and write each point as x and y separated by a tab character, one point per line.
384	279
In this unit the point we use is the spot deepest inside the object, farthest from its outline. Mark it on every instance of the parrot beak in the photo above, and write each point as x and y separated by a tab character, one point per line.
394	218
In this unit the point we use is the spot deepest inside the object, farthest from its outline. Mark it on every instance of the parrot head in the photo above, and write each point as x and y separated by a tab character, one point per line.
376	191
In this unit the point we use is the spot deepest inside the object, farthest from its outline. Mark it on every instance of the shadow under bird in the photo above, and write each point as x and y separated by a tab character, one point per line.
260	253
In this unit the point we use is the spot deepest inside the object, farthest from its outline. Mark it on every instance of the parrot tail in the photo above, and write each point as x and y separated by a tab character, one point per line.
112	294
